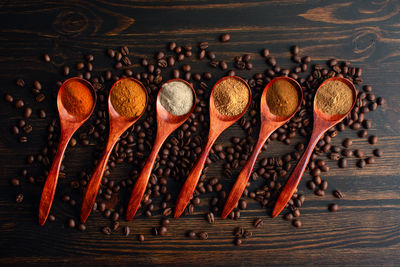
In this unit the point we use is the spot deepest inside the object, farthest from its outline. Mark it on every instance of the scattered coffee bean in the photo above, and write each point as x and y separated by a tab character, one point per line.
333	207
373	139
141	238
210	217
71	223
378	152
337	194
238	242
191	234
258	223
19	198
106	230
297	223
225	37
203	235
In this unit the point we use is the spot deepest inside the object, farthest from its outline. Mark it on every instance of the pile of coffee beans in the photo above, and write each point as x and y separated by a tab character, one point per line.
184	146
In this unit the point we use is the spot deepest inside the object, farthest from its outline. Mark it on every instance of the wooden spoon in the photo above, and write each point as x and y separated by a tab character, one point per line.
166	124
118	125
69	125
218	123
322	123
269	123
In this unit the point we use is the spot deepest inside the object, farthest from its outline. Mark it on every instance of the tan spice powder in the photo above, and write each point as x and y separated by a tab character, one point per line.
334	97
231	96
282	98
128	98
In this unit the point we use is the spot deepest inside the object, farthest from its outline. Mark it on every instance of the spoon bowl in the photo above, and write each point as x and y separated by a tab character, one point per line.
69	124
166	124
118	125
218	123
269	123
322	123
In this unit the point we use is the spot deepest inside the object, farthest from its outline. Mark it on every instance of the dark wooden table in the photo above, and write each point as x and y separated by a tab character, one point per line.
366	230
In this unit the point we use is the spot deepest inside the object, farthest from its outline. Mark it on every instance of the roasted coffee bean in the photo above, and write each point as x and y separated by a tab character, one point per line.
20	82
333	207
165	222
370	160
295	50
238	242
106	230
258	223
347	142
71	223
265	53
203	235
373	139
141	238
191	234
361	163
210	217
19	103
46	58
51	218
343	163
362	133
42	114
378	152
225	37
337	194
320	192
358	153
162	231
19	198
14	182
40	98
115	226
27	112
297	223
296	213
82	227
8	98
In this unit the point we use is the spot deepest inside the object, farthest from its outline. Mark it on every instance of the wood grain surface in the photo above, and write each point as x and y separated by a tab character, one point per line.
366	229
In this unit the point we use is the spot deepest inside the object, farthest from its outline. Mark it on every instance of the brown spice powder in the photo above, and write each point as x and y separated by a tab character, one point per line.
128	98
282	98
231	96
334	97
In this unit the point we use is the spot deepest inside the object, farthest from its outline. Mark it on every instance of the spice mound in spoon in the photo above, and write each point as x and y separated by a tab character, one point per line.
334	98
231	96
282	98
128	98
176	97
77	99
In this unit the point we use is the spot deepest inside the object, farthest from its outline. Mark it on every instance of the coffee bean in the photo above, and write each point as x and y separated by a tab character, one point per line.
210	217
42	114
191	234
373	139
333	207
370	160
225	37
358	153
82	227
342	163
40	98
337	194
19	198
23	139
8	98
296	213
14	182
362	133
378	152
288	216
238	242
347	142
19	103
71	223
295	50
203	235
27	112
361	163
297	223
163	230
258	223
51	218
106	230
141	238
320	192
20	82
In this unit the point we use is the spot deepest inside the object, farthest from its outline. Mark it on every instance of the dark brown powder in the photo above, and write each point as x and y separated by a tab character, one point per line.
282	98
334	97
231	96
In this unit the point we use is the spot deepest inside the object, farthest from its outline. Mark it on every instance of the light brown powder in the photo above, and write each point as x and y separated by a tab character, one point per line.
231	96
334	97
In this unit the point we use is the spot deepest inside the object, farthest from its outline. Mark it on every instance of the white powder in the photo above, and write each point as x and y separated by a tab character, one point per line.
176	97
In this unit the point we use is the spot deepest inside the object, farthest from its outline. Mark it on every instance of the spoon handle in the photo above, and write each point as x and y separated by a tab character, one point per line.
243	178
49	188
193	178
141	183
94	183
296	175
